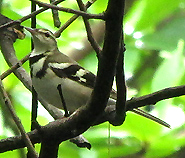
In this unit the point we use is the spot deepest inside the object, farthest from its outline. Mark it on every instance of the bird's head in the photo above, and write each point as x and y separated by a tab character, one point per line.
43	39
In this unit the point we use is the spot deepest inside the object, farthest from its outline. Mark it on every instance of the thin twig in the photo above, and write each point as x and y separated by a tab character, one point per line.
56	18
14	67
153	98
17	121
33	20
73	18
68	10
19	21
90	37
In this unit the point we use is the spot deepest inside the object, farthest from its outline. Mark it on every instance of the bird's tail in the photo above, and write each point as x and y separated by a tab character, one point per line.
151	117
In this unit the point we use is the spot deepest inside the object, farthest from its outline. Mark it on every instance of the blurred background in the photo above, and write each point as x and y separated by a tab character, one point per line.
154	59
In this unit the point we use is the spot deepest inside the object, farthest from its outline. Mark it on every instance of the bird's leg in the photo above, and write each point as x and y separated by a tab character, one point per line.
59	88
34	108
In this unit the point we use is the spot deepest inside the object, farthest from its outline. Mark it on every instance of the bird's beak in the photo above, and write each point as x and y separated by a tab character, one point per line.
31	30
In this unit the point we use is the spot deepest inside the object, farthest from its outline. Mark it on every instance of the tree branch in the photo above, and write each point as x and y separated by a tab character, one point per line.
121	87
16	142
17	121
153	98
73	18
68	10
149	99
56	18
90	37
14	67
16	22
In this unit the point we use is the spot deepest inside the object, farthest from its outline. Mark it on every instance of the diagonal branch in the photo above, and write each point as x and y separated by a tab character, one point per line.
73	18
26	139
14	67
153	98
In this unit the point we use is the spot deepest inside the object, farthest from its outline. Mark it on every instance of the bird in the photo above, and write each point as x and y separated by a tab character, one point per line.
60	80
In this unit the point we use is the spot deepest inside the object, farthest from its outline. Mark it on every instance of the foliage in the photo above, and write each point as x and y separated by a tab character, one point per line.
154	59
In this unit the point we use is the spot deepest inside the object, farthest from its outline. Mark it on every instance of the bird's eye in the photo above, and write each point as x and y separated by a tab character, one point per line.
47	34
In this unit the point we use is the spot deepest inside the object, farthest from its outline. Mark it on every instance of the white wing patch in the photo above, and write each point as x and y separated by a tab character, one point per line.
79	74
60	65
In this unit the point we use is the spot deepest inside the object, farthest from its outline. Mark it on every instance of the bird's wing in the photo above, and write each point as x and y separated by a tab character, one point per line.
74	72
